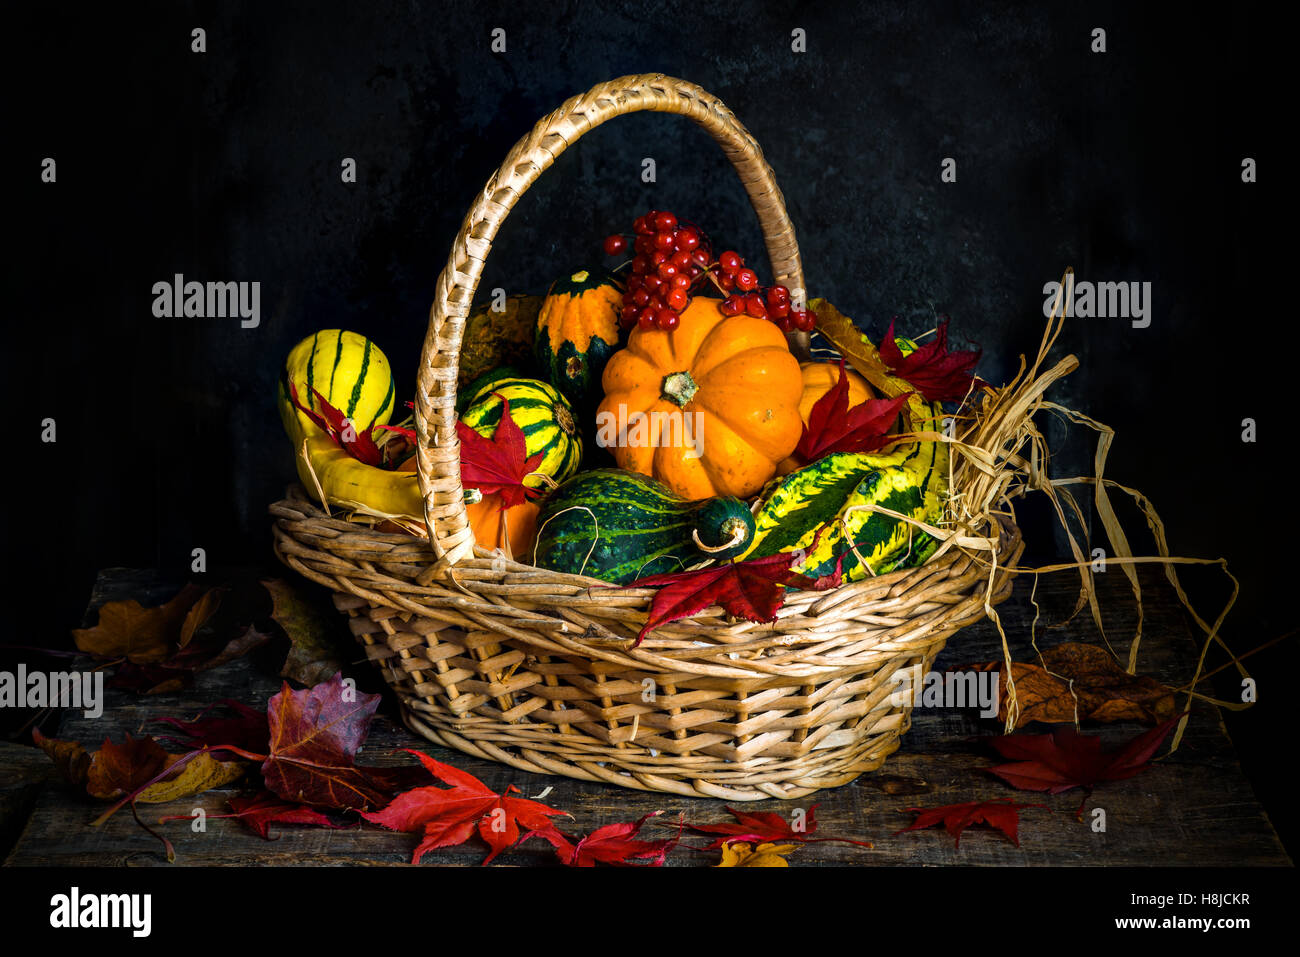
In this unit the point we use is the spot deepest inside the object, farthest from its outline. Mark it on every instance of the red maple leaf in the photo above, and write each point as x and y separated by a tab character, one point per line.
499	464
248	729
768	827
314	737
264	809
450	816
356	442
936	373
611	844
753	589
1066	759
1002	814
834	427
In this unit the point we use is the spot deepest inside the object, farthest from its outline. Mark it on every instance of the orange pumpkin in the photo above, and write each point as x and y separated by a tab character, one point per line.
709	408
513	530
820	377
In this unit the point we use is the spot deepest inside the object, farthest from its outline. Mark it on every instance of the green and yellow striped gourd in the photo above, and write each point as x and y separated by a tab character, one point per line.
542	414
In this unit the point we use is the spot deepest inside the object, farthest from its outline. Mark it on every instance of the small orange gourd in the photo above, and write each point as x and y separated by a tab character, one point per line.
708	408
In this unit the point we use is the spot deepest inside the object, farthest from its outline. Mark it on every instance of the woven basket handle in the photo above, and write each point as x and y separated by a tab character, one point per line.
438	449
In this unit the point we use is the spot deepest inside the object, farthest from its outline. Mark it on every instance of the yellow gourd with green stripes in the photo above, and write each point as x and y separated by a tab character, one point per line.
346	368
542	414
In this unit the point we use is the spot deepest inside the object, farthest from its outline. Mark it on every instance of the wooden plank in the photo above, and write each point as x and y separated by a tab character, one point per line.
1193	808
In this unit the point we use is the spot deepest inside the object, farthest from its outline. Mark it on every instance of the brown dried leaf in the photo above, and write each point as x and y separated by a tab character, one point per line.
765	855
312	657
1082	682
141	635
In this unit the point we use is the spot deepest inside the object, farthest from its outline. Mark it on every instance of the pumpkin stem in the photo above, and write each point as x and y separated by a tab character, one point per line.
564	418
679	387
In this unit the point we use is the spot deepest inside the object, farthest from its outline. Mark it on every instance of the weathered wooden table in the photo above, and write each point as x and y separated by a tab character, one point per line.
1194	807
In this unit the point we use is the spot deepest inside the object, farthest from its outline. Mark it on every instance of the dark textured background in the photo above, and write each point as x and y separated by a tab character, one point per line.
225	166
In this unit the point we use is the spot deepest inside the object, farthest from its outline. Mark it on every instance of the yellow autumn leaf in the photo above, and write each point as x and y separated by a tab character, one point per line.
765	855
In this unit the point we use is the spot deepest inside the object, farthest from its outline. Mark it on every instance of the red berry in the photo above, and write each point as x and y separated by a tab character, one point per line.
730	261
640	264
806	321
666	271
646	318
779	310
676	299
652	283
700	255
786	324
668	321
778	294
642	225
658	257
614	245
644	245
680	259
664	315
687	239
664	241
665	222
755	307
681	281
733	305
629	313
693	271
640	298
746	279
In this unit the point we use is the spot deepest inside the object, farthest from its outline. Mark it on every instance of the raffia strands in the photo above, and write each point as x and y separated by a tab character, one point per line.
539	670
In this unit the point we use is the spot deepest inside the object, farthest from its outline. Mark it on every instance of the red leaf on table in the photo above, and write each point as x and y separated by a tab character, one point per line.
264	809
499	464
753	589
768	827
248	729
936	373
450	816
611	844
834	427
1002	814
314	737
1065	759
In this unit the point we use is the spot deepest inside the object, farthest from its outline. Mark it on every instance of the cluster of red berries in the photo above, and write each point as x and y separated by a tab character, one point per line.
761	302
672	258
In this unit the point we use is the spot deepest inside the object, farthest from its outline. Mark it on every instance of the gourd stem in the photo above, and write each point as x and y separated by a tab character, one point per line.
738	535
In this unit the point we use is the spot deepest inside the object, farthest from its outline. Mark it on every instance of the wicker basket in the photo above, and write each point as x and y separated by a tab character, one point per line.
537	669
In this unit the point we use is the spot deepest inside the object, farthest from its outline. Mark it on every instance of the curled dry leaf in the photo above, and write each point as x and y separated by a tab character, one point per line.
735	854
116	770
1078	682
126	629
313	657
